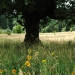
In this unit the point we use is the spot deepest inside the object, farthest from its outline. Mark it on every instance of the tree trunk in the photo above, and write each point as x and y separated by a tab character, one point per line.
32	30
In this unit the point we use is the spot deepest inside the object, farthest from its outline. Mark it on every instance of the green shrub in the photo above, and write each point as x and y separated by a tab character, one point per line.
17	29
73	28
8	31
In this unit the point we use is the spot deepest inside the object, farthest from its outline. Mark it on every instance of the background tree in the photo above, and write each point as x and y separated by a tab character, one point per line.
10	23
3	22
34	10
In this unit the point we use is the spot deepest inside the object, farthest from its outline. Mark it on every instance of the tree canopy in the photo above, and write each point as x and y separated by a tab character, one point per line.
41	7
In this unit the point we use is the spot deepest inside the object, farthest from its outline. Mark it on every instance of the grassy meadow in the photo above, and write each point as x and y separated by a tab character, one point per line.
48	58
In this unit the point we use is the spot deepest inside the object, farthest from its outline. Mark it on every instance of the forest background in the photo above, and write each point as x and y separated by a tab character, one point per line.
10	25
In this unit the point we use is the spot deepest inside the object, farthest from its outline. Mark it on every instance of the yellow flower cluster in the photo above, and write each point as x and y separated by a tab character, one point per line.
27	63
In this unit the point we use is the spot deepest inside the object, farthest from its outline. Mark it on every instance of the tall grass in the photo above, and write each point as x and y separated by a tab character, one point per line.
51	58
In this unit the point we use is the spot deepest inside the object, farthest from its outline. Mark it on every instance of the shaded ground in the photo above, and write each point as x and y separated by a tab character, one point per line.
59	36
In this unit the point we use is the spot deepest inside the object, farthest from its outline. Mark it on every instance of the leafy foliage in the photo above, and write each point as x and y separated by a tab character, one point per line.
43	8
32	11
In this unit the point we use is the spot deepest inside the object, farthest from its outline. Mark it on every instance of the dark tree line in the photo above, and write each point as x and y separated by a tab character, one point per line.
5	22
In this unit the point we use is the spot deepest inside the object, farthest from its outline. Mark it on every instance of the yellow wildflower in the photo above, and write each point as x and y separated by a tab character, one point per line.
29	51
1	71
44	61
27	63
52	53
29	57
73	73
14	71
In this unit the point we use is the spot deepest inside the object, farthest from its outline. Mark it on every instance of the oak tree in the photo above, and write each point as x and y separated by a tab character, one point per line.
34	10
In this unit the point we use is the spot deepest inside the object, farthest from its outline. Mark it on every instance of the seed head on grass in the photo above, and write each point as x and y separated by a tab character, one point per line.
74	49
22	67
29	51
45	53
53	53
20	72
27	63
36	54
